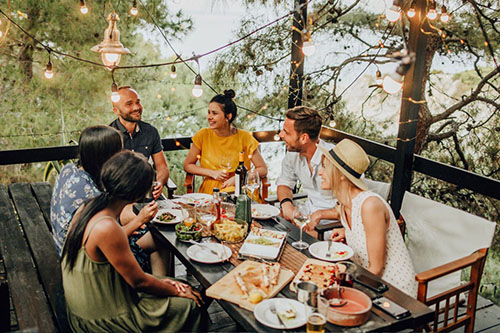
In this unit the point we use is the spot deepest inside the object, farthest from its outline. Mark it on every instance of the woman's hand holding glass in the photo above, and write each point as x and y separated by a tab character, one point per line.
225	165
253	180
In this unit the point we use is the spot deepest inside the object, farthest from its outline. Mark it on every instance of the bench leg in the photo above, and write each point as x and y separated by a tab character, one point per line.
4	307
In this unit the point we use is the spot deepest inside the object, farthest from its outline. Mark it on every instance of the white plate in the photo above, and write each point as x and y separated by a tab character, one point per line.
319	250
264	315
180	214
193	198
263	211
200	253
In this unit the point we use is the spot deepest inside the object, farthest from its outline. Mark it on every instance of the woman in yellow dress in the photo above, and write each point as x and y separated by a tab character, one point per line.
220	142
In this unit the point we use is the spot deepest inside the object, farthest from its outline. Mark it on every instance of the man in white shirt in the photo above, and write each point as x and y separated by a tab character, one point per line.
302	163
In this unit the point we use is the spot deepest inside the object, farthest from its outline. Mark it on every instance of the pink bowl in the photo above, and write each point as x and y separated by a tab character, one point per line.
355	312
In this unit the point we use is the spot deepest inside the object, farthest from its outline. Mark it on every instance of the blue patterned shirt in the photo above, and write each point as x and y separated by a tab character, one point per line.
73	187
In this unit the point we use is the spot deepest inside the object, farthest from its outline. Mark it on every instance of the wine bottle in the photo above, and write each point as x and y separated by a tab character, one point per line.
240	175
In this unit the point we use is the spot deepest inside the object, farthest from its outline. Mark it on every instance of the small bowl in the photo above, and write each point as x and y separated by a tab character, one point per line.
186	234
355	312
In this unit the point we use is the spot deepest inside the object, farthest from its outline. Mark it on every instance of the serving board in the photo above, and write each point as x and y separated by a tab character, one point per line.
227	289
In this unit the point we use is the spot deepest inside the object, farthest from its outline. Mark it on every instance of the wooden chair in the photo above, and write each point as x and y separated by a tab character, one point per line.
190	186
455	240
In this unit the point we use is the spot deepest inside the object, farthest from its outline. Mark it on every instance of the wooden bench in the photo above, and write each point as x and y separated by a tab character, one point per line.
32	274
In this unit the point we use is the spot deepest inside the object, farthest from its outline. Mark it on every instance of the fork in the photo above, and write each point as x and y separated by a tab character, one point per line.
272	308
328	254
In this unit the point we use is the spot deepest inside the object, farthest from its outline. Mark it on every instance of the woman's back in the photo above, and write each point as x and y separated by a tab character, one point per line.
398	268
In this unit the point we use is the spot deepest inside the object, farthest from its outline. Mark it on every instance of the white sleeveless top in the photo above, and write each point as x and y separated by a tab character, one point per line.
398	267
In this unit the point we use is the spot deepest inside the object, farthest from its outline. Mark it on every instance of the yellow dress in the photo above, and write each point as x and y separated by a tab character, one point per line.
214	148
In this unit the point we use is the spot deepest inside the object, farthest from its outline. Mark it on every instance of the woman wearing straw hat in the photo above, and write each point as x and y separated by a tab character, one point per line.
369	226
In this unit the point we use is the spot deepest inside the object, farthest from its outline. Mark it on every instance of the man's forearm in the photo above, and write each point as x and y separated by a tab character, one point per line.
284	192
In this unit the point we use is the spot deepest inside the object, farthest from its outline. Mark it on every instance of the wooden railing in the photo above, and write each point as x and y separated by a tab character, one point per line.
450	174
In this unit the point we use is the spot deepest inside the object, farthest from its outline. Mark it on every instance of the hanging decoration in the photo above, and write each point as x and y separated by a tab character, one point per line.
83	8
111	49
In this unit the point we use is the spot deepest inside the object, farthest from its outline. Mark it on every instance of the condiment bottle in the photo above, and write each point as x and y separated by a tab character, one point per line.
240	175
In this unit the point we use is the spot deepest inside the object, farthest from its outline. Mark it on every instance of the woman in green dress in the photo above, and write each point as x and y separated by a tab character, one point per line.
104	286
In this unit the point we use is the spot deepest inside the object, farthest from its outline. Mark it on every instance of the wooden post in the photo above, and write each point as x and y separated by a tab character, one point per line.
297	61
407	132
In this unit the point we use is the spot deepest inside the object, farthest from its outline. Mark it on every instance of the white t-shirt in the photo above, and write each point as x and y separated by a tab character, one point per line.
294	167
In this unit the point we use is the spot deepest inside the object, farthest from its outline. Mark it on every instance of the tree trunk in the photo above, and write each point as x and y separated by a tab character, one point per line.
424	114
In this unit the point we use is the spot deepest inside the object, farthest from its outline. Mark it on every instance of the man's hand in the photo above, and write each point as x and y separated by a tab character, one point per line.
287	211
338	235
157	190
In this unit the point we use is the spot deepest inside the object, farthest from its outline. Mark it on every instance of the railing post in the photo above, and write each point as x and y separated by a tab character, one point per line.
297	59
412	87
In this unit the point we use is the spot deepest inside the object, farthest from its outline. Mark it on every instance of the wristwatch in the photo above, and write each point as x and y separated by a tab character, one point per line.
285	200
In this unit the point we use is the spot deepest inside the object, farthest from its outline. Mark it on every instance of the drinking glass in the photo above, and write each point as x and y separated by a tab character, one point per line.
316	321
301	218
226	163
345	273
253	180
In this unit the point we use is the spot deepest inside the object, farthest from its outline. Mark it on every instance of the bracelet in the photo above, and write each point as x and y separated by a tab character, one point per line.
285	200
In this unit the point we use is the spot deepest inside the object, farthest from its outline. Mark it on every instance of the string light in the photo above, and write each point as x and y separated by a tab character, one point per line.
394	12
115	96
83	8
277	136
49	74
111	49
332	123
445	17
133	10
394	81
432	13
411	12
308	47
379	78
197	90
173	73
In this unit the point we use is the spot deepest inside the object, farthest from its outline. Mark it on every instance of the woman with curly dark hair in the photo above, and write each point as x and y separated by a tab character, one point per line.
222	140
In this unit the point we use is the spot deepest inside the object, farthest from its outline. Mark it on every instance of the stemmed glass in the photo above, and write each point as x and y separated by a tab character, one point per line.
253	180
301	218
226	163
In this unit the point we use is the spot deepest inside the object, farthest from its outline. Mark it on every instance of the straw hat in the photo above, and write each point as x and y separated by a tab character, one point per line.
350	159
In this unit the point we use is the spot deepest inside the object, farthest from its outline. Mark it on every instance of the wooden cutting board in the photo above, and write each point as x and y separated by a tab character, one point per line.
227	289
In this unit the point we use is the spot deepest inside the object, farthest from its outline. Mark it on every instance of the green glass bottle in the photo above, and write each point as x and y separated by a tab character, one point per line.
244	208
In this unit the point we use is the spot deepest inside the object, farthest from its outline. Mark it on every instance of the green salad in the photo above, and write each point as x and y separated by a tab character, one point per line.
187	233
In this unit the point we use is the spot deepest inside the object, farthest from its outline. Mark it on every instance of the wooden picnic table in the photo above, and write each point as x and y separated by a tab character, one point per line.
208	274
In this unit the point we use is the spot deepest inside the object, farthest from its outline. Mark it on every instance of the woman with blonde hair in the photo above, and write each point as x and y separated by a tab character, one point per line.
369	225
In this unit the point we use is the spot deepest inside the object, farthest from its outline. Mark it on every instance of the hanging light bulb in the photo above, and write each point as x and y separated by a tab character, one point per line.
110	48
379	78
445	17
197	90
173	73
432	13
332	123
393	83
1	33
277	136
411	12
83	8
394	12
115	96
308	47
49	74
133	10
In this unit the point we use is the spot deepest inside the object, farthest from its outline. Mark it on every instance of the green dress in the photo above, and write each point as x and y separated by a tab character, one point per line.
98	299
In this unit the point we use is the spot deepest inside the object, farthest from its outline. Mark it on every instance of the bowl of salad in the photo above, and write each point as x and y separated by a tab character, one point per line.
188	230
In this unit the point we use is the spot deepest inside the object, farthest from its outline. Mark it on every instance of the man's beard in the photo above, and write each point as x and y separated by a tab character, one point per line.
296	148
129	118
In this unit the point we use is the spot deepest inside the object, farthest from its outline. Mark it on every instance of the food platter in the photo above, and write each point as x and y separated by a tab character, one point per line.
338	251
170	215
264	211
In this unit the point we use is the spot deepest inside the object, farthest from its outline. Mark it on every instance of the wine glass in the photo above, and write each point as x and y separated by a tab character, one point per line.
253	180
226	163
301	218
